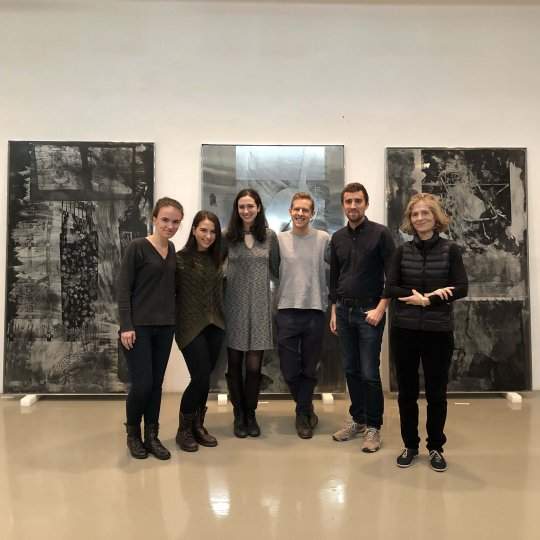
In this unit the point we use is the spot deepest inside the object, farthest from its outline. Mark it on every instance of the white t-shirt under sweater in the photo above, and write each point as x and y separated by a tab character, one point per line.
302	270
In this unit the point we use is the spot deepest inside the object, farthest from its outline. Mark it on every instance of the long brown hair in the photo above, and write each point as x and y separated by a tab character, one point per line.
235	227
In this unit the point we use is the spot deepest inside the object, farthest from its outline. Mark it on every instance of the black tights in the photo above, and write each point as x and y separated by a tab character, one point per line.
147	362
248	388
201	356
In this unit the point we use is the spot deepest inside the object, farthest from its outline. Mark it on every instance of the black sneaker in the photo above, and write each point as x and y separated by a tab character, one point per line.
406	457
437	462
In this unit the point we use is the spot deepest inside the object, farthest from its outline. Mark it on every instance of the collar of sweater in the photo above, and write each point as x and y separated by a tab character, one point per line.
425	245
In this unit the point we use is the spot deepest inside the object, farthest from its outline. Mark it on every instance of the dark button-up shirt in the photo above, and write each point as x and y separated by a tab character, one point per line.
359	260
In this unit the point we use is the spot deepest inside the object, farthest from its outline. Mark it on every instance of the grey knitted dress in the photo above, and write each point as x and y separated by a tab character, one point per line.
248	298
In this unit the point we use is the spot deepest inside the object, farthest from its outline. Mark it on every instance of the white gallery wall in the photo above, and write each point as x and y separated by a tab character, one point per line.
365	75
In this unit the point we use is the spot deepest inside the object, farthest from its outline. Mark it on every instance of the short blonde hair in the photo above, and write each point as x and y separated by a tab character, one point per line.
432	202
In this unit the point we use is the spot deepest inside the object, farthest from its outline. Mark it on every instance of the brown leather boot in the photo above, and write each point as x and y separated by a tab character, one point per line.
184	436
134	441
153	444
200	432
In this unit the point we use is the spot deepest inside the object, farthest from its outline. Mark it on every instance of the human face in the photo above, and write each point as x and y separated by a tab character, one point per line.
355	206
167	221
248	210
422	220
301	213
205	234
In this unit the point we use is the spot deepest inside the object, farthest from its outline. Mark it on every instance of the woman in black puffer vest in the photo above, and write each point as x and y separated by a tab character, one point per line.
426	276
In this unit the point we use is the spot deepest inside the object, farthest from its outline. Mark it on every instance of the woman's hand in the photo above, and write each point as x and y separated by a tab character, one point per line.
416	299
128	339
444	293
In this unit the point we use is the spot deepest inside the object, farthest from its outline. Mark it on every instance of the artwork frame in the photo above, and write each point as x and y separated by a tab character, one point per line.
484	190
277	172
73	207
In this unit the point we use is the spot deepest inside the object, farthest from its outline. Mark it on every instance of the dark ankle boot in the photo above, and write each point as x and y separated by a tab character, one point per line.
153	444
184	436
237	400
200	432
240	429
252	427
134	442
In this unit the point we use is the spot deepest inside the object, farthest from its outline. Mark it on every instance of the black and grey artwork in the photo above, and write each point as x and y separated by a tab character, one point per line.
484	192
73	208
277	172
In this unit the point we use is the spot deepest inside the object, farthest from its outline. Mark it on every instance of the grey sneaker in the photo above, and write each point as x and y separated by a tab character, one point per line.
372	440
350	430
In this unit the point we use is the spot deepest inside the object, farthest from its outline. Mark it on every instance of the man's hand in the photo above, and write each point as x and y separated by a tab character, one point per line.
333	324
374	316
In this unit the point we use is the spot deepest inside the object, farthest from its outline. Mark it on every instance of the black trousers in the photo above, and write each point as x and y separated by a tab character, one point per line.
299	336
147	362
434	350
201	356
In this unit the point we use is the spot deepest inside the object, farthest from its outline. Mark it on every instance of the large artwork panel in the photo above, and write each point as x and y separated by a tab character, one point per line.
484	192
73	207
277	172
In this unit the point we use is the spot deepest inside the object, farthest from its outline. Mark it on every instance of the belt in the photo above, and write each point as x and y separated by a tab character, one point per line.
358	302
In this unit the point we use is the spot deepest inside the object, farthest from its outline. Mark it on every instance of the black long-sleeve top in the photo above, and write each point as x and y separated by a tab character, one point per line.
146	286
359	260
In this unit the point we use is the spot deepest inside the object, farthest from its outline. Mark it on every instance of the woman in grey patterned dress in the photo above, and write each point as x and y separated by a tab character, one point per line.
252	260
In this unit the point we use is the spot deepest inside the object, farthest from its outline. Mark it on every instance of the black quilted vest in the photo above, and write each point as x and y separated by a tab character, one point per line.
425	266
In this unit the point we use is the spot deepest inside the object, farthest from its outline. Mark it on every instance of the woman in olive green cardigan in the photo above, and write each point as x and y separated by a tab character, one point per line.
199	323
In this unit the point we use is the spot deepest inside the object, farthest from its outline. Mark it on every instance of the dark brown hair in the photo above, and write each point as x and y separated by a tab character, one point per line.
215	249
166	201
354	187
235	227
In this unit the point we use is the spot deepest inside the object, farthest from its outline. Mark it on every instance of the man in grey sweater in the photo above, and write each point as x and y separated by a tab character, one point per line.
301	307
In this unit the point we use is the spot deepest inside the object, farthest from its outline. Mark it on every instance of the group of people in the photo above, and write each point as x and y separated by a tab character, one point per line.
218	287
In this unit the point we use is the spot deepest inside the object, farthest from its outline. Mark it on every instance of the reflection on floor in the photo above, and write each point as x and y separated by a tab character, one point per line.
65	473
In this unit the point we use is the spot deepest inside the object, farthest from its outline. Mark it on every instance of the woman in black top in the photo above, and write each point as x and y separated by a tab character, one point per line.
199	324
147	316
426	276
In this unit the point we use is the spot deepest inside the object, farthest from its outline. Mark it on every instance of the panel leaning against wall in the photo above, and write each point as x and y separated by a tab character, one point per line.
484	192
277	172
73	208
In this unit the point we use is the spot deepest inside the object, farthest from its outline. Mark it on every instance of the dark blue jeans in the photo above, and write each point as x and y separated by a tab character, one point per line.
360	345
299	335
147	362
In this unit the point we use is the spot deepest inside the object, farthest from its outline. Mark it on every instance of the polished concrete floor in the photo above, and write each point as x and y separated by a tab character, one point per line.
65	473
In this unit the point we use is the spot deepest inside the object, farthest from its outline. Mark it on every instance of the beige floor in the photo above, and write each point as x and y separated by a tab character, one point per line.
65	473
